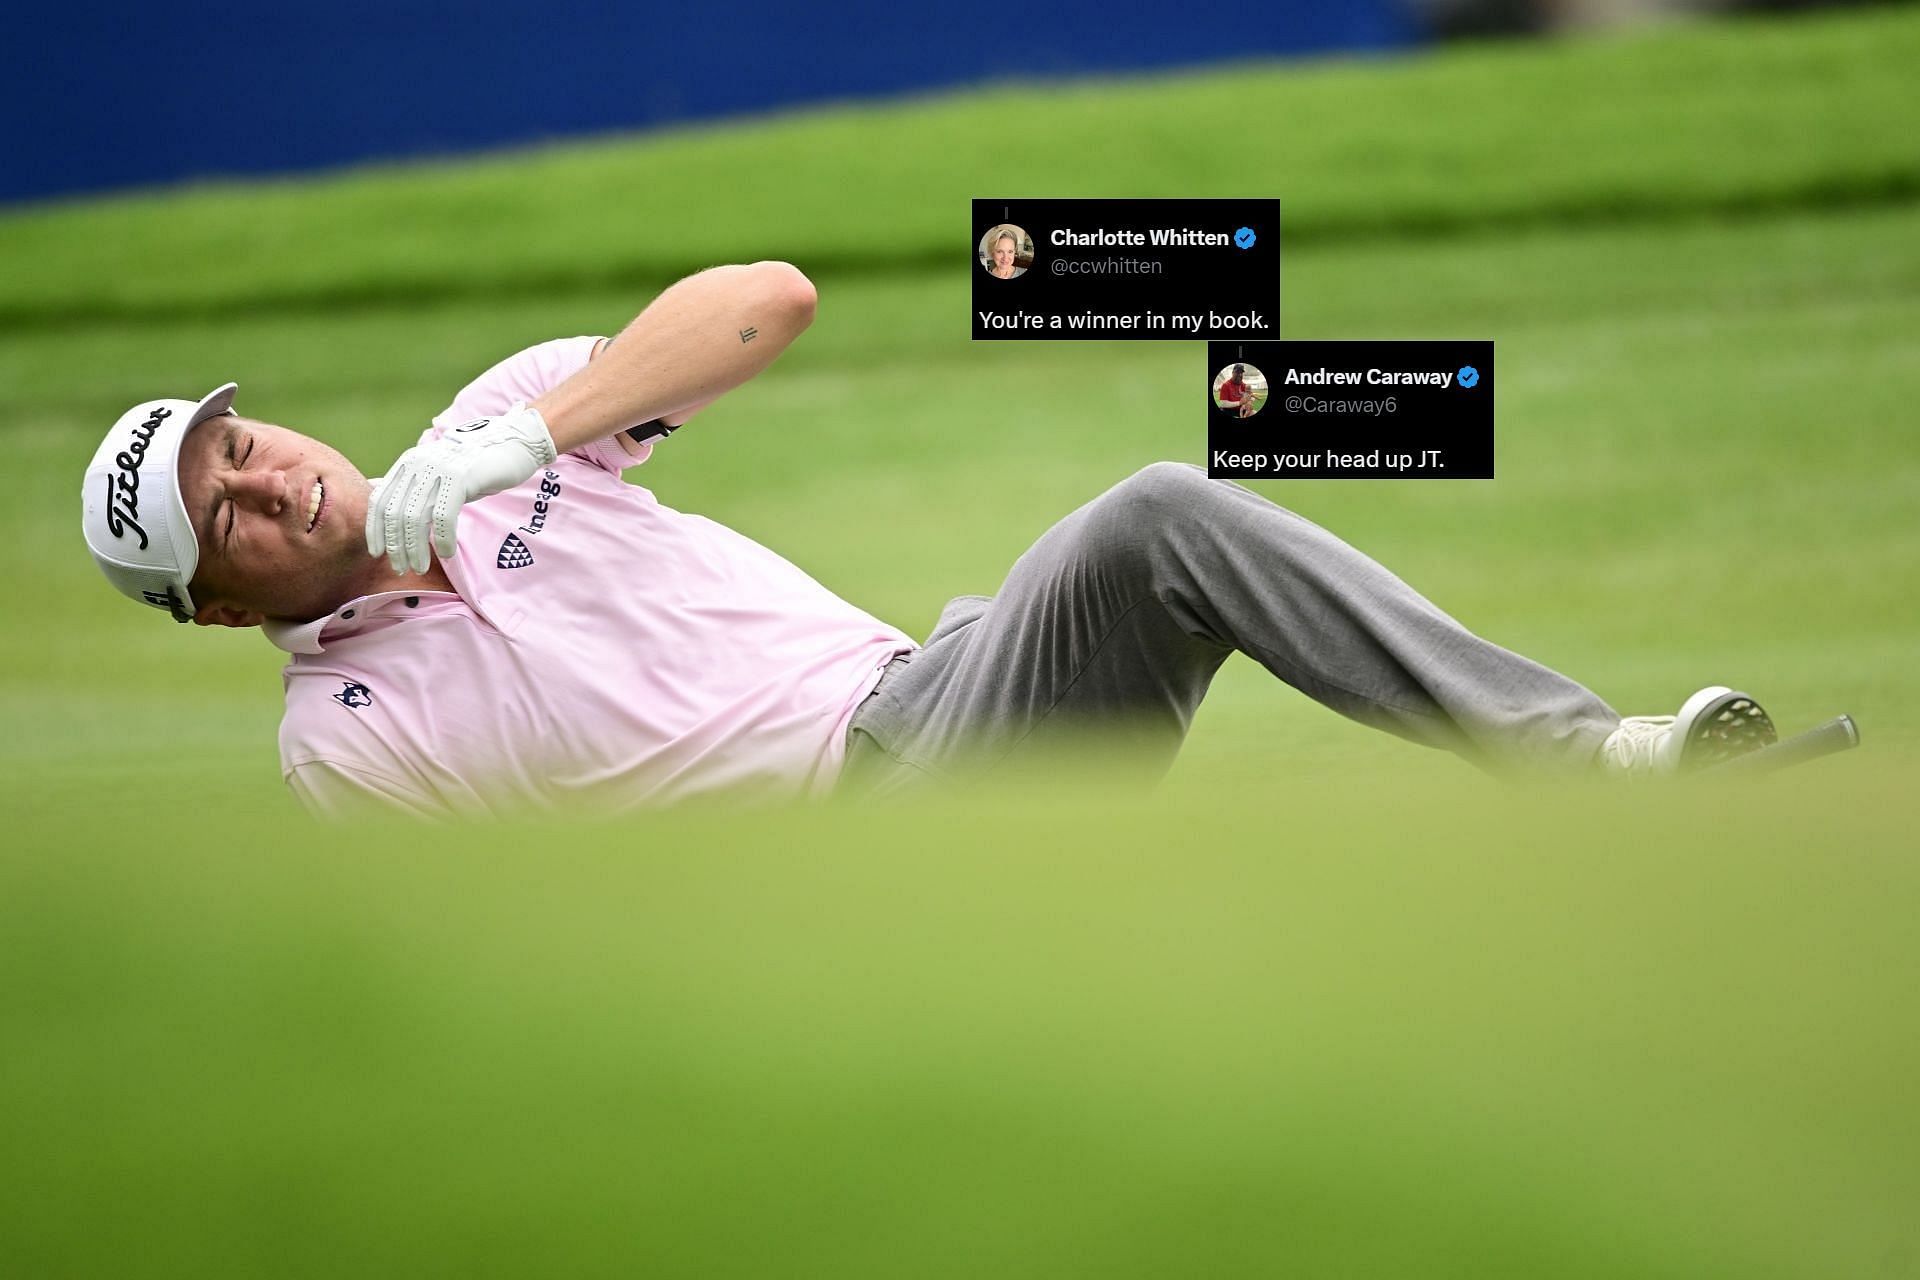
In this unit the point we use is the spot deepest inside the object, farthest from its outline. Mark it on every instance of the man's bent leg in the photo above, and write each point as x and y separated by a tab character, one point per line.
1120	614
1074	642
1341	628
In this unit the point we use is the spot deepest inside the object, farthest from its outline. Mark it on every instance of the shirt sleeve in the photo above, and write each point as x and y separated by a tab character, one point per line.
528	375
334	792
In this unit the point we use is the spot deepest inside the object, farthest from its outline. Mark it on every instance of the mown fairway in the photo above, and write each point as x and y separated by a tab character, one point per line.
1323	1002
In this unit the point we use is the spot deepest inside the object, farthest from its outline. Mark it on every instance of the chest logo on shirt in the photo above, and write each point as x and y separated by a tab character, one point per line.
514	553
354	695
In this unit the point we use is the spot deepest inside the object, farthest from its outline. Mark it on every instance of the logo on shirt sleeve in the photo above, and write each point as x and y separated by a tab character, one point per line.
354	695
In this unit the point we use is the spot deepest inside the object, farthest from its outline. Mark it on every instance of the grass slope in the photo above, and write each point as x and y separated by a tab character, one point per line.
1685	121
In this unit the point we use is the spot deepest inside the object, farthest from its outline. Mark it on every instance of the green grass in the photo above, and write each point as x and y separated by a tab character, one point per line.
1323	1003
1035	1037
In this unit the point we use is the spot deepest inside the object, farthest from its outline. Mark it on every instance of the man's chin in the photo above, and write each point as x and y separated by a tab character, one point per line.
355	495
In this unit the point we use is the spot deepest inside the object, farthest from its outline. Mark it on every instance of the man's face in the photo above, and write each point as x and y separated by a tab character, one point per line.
1003	254
265	550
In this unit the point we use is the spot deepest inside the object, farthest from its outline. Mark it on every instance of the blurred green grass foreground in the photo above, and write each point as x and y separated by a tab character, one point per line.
1322	1004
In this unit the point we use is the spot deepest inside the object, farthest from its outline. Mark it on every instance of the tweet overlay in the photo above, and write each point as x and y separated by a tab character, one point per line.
1362	410
1155	269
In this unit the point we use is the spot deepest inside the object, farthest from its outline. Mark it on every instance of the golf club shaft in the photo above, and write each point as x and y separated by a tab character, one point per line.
1837	734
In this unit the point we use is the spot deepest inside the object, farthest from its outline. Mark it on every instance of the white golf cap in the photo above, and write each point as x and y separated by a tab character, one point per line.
132	513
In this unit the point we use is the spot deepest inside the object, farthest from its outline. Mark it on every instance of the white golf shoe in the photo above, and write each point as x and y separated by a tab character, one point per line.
1713	726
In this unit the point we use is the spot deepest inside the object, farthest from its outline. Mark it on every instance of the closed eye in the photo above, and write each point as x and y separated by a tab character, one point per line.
232	511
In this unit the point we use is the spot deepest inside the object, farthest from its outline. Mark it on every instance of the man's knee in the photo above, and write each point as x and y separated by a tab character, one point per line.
1136	521
1159	492
1164	481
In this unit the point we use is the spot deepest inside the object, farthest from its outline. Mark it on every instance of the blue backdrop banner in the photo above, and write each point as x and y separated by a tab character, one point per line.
104	96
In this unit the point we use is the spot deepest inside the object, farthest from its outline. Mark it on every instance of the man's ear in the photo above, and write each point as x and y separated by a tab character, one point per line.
221	616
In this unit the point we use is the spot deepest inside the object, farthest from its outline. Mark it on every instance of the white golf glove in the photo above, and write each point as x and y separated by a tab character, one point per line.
430	482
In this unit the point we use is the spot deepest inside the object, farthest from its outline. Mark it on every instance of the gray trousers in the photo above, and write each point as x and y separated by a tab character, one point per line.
1117	618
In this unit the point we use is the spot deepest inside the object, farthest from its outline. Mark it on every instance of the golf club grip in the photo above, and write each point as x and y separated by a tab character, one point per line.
1837	734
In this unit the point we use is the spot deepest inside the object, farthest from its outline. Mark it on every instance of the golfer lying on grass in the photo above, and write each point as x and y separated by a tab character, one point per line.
502	621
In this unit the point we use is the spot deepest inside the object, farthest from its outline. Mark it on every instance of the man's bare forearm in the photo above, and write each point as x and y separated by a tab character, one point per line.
698	340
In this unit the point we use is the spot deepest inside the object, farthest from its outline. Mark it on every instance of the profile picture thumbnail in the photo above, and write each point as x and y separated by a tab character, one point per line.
1006	251
1240	389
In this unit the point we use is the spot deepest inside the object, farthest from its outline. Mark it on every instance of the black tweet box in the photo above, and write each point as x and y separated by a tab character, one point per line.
1361	410
1158	270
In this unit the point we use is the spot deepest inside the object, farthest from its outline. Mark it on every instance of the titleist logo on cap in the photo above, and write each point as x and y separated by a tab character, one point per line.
123	491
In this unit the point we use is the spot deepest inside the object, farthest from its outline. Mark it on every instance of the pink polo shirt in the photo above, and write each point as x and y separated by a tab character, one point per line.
603	650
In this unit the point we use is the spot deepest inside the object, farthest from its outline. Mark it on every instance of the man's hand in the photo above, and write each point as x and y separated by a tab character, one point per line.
430	482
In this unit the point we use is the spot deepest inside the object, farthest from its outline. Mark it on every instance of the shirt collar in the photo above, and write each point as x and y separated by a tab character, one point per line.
305	637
